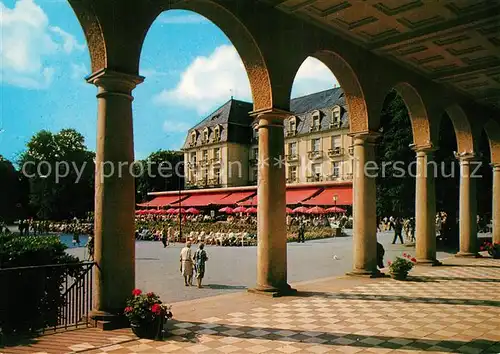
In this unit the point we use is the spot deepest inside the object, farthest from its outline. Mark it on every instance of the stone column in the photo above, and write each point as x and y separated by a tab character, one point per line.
114	253
271	216
496	203
468	207
364	205
425	207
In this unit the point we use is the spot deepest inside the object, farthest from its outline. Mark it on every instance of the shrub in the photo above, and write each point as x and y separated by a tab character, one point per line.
32	296
402	265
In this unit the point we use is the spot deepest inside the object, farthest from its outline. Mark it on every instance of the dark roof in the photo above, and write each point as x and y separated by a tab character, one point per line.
233	112
323	99
235	122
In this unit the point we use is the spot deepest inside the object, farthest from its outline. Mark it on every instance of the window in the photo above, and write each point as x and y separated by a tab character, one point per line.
204	155
315	145
217	154
335	142
193	137
292	129
292	173
292	149
217	133
217	175
205	175
192	158
335	169
336	112
316	121
316	171
205	135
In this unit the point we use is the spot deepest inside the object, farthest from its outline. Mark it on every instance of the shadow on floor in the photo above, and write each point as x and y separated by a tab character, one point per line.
16	341
426	279
224	287
194	330
470	265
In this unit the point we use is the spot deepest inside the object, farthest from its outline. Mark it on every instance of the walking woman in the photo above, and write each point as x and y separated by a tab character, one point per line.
200	257
187	264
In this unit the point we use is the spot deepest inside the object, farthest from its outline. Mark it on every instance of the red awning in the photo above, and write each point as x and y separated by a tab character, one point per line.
293	196
235	197
298	195
344	196
162	201
204	199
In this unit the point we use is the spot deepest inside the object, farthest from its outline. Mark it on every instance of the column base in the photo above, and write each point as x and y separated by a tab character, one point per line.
429	262
108	321
468	255
286	290
366	273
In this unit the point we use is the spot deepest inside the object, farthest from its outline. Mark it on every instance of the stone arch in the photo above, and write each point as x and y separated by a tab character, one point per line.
89	21
492	129
348	80
466	142
245	44
417	111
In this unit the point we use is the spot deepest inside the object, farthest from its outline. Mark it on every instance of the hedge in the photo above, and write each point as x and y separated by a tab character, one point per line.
31	298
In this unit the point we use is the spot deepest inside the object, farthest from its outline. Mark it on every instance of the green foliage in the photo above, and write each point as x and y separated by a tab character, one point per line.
70	195
161	174
145	308
32	295
403	265
11	190
395	195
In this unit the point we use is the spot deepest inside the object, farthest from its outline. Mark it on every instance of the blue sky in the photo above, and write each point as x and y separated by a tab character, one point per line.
190	66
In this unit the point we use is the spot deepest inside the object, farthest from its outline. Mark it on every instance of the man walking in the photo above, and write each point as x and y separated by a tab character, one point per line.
200	258
187	264
302	232
398	231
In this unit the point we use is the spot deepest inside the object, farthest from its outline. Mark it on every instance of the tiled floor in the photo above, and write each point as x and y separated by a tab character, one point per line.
449	309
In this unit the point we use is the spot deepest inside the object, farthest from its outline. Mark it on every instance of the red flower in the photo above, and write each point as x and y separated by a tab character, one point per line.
136	292
156	309
150	294
128	309
481	248
405	255
389	263
414	260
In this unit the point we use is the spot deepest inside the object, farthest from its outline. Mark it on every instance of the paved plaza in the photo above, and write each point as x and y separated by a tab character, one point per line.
232	269
450	309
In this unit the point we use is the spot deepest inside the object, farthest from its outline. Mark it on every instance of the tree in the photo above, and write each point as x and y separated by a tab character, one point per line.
60	170
11	190
395	190
163	170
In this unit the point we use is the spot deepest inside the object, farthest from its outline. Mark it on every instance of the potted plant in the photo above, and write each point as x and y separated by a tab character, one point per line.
492	248
400	268
147	314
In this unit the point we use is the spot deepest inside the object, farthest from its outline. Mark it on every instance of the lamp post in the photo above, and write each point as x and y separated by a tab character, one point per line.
335	198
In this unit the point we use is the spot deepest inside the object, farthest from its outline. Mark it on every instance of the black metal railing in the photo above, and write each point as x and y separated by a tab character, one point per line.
61	294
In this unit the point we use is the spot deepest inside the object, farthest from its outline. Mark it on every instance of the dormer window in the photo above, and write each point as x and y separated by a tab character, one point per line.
292	126
217	133
336	114
205	135
193	138
316	121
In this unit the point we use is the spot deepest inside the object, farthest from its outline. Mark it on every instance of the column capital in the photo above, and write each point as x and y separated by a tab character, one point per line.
114	81
273	112
368	136
425	149
466	156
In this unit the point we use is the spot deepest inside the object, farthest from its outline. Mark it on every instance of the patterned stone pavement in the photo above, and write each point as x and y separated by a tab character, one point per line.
449	309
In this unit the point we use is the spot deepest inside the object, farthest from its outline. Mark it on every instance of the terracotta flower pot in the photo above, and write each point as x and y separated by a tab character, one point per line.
399	275
148	330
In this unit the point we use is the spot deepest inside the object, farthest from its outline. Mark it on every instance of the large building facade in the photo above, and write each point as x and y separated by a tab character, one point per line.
222	150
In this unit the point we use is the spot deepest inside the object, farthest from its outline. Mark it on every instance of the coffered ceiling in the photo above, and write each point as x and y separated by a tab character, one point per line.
455	42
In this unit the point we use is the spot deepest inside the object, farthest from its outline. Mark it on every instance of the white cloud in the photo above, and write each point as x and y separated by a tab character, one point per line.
27	40
79	71
209	81
171	126
187	19
312	76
